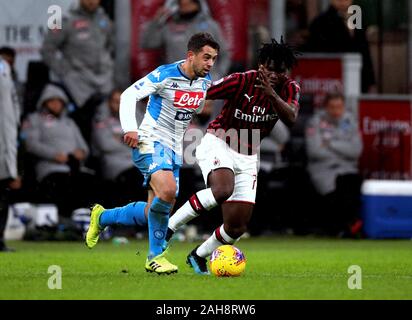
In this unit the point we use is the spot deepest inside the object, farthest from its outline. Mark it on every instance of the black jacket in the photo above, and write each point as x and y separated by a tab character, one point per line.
329	33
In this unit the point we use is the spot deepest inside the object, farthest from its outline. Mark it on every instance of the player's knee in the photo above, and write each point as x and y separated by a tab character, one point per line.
167	193
222	192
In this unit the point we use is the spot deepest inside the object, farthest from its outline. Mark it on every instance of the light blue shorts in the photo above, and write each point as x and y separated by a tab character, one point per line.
163	158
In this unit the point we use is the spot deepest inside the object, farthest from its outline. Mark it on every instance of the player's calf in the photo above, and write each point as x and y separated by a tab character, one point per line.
235	232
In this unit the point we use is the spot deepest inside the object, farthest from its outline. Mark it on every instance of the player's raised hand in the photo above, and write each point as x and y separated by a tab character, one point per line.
265	82
131	139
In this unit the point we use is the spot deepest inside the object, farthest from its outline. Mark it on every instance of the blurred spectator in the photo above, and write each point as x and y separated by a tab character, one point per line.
330	33
114	156
258	34
173	26
104	110
334	146
60	151
9	55
81	52
296	22
9	123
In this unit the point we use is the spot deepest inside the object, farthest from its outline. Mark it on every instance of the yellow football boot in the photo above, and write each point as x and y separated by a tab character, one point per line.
93	233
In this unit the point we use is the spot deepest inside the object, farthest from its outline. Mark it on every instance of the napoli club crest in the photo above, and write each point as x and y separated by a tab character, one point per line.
159	234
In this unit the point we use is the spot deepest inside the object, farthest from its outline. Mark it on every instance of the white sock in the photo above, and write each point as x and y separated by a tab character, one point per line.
217	239
182	216
207	199
199	203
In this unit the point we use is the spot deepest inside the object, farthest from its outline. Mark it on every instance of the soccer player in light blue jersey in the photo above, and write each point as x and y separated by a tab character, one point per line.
175	92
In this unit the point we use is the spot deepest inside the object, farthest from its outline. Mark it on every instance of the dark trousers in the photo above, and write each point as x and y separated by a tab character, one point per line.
342	207
4	207
69	191
128	187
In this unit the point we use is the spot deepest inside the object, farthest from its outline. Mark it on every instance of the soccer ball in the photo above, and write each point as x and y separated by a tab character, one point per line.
227	261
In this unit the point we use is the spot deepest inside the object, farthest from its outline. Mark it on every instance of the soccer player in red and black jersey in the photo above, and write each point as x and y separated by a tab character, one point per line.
228	154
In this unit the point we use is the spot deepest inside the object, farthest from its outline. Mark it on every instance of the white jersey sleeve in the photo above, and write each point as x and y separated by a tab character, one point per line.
140	90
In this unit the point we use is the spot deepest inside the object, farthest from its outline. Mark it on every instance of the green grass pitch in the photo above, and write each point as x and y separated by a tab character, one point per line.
277	268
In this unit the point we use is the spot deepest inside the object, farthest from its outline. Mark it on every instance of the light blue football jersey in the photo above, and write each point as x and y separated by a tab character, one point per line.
173	98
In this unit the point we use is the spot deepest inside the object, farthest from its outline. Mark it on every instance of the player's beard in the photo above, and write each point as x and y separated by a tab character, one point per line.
200	72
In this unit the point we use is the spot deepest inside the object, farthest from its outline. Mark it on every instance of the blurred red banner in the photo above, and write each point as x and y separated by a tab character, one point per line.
232	17
385	125
143	61
318	76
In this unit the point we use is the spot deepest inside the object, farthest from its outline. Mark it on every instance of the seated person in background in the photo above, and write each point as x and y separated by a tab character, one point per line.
333	147
114	155
60	151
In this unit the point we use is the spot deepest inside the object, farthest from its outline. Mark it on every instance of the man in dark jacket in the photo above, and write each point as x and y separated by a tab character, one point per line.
330	33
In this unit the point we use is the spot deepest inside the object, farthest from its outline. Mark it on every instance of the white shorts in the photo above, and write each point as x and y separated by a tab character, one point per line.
213	153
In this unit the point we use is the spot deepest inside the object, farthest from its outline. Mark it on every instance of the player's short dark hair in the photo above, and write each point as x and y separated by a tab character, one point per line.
8	51
201	39
332	96
280	53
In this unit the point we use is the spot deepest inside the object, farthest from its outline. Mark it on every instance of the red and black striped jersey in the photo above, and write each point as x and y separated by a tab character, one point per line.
247	107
